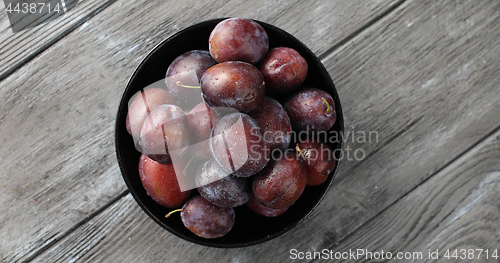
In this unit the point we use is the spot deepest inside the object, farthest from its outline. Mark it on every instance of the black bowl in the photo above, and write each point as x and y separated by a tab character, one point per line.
249	228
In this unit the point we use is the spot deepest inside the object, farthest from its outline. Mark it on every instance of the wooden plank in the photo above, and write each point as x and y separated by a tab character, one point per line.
18	48
124	233
428	109
428	86
446	212
57	163
454	210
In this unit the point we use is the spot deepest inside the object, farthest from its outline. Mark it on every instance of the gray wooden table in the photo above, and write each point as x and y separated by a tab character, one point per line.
423	74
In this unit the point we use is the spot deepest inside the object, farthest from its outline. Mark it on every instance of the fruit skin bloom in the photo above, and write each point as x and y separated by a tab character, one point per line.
319	160
160	183
237	145
184	74
311	109
281	182
284	70
274	123
238	39
233	84
205	219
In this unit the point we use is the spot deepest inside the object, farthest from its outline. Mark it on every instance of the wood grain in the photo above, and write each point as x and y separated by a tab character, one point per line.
57	121
18	48
428	72
456	209
425	77
317	26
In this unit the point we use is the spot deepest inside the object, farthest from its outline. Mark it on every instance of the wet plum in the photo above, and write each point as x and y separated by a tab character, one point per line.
281	182
319	160
274	123
284	70
238	39
237	145
165	132
161	183
141	105
228	191
202	118
311	109
205	219
234	84
184	74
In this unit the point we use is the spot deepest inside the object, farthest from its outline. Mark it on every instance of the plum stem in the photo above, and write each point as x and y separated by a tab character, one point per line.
187	86
187	165
328	107
174	211
298	150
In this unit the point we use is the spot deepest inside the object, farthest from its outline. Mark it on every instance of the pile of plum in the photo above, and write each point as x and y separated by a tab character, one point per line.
227	119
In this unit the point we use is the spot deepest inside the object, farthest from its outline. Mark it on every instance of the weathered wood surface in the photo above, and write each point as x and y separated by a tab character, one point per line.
456	209
425	77
58	165
18	48
317	26
428	72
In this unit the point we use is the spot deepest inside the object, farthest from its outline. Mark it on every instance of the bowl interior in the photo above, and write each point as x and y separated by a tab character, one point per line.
249	228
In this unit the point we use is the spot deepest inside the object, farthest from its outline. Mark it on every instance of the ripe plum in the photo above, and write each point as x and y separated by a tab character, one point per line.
205	219
141	105
284	69
237	145
165	132
184	74
274	123
319	160
202	119
281	182
233	84
311	109
228	191
161	182
238	39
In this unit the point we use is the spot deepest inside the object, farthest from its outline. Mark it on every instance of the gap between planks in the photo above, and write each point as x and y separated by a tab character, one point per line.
79	224
56	39
446	206
479	144
369	24
89	16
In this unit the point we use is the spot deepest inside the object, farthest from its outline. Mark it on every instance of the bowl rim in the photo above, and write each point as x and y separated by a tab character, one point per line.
124	101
